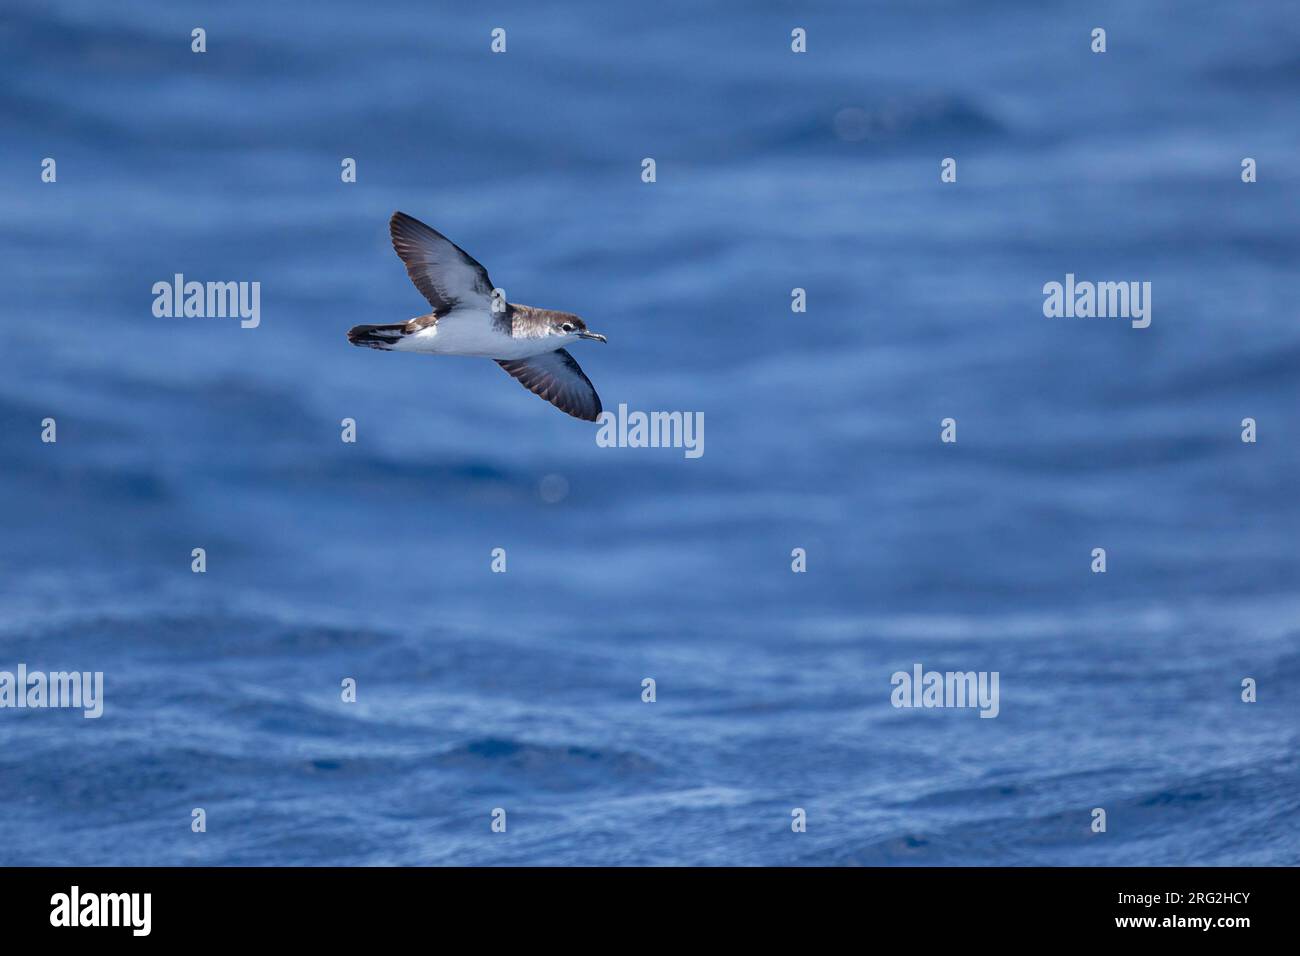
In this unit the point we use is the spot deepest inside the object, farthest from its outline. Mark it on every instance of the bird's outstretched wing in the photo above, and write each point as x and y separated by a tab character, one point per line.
443	272
556	377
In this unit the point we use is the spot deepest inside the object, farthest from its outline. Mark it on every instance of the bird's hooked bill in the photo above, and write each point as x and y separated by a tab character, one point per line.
586	334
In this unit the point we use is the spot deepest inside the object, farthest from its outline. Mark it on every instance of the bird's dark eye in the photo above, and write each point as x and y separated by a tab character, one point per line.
567	327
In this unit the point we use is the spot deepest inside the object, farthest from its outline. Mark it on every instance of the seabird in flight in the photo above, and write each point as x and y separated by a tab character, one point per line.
467	319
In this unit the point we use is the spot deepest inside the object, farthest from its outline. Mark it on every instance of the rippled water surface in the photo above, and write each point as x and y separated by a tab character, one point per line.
522	690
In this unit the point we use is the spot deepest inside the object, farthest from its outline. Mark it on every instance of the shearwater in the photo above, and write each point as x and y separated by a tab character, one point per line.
468	319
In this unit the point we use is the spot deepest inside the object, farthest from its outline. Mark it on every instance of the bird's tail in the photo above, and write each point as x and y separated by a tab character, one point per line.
376	336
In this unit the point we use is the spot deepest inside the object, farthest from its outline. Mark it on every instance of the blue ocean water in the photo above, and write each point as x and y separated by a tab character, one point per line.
522	690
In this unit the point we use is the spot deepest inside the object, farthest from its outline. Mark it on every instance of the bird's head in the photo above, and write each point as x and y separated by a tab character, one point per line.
571	328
